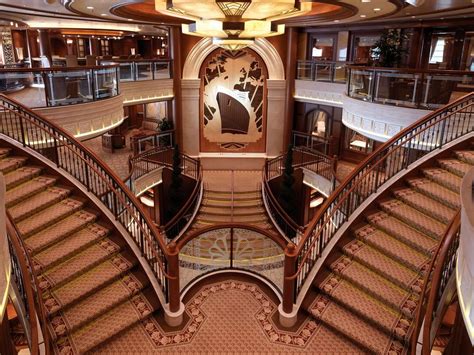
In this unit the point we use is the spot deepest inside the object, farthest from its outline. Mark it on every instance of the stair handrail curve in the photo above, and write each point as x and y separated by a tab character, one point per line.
95	176
427	134
35	307
315	161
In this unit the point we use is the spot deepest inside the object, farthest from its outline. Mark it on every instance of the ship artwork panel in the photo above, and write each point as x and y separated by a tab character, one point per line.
233	102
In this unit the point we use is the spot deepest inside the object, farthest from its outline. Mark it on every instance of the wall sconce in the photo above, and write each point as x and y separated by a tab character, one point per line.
69	41
132	51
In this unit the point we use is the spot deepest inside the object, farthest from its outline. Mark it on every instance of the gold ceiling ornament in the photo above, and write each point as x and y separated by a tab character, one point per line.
233	25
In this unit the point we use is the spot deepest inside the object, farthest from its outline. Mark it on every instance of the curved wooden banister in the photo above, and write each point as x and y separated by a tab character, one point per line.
36	132
427	134
34	297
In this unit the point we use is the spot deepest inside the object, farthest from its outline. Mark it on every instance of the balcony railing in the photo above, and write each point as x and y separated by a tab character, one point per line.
333	72
138	70
422	89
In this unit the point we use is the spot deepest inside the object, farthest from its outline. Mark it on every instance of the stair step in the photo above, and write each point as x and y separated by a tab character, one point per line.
444	178
367	307
436	192
4	152
228	203
86	284
455	166
78	264
32	187
109	324
96	304
69	246
354	327
376	285
414	218
402	232
392	247
383	265
222	211
465	155
11	163
50	196
425	204
39	221
62	229
20	175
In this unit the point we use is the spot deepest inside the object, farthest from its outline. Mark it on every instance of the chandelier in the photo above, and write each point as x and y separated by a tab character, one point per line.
233	24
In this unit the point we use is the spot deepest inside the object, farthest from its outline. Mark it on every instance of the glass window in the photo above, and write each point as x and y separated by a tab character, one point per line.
317	122
467	62
441	51
357	142
362	45
323	48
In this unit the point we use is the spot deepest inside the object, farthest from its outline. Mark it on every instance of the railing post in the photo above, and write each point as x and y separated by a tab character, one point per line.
286	309
174	310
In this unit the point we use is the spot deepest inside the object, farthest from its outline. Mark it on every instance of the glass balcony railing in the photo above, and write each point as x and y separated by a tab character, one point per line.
423	89
333	72
60	86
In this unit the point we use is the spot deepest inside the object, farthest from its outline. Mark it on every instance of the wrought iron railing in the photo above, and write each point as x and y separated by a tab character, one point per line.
143	143
22	125
428	134
312	142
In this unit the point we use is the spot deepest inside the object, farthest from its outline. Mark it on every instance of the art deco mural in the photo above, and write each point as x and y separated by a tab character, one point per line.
233	102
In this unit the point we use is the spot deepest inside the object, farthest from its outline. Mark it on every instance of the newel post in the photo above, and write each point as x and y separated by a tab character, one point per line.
288	312
175	308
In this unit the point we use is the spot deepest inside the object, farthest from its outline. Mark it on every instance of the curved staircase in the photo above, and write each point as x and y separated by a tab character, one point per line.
370	286
92	286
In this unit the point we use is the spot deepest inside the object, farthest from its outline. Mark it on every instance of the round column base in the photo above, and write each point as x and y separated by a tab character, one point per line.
174	319
287	320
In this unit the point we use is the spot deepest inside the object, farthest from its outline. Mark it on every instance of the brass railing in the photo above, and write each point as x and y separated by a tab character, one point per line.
428	134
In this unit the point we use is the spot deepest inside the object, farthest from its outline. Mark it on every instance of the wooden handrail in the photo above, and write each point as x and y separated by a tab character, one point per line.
432	269
350	186
32	289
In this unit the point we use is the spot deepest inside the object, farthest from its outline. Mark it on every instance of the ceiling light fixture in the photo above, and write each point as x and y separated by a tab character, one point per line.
233	25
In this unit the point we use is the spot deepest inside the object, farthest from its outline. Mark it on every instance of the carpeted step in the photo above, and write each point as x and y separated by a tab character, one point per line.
57	212
204	218
27	189
62	229
455	166
32	205
444	178
4	152
108	325
392	247
465	155
371	310
414	218
21	175
11	163
86	284
78	264
96	304
376	285
402	232
425	204
68	247
352	326
436	192
381	264
226	211
228	203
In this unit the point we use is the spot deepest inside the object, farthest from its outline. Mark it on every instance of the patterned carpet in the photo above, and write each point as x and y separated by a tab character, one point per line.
371	287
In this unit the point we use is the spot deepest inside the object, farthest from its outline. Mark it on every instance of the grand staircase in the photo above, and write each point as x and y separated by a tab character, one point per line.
92	286
370	286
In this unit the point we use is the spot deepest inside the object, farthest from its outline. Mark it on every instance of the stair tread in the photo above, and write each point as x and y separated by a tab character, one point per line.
392	247
96	304
45	198
86	283
402	231
445	178
375	284
389	268
54	233
78	264
465	155
5	152
19	193
353	326
425	204
356	300
414	218
70	245
436	191
11	163
455	166
35	223
109	324
20	175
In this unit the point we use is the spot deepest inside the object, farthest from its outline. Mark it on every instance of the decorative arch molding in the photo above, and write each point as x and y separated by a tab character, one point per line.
261	46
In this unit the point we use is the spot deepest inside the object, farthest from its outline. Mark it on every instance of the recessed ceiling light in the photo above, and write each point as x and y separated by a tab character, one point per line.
365	0
336	20
377	9
103	14
90	7
129	19
363	16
